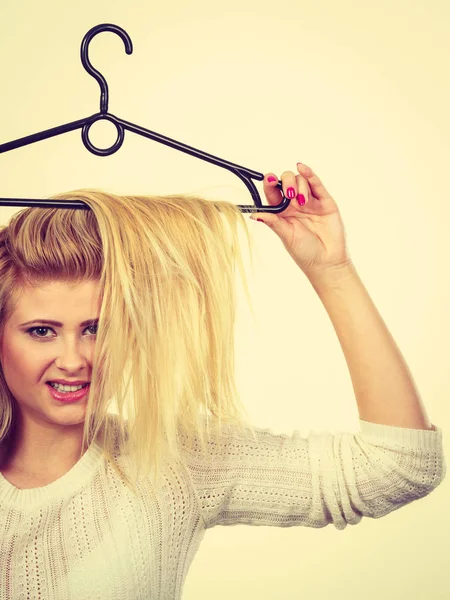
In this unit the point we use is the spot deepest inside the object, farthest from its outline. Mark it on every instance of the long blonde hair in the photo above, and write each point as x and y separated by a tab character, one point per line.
165	342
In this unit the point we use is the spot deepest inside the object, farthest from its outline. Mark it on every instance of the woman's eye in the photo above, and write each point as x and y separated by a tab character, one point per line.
40	329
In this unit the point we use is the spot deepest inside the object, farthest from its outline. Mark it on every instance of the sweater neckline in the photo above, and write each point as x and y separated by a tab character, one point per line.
63	487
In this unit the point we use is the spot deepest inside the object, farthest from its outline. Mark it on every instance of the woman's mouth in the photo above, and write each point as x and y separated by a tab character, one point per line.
68	396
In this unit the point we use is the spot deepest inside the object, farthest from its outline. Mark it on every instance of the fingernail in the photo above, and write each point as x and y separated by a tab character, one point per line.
260	220
271	178
290	193
301	199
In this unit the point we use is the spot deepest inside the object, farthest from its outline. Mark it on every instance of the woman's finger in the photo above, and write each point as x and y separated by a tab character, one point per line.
289	181
303	189
273	194
317	187
292	186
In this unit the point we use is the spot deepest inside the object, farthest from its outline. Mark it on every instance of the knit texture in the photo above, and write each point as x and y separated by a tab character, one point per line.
87	537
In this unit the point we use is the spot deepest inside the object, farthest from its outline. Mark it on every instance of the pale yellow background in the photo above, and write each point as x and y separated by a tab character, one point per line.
360	91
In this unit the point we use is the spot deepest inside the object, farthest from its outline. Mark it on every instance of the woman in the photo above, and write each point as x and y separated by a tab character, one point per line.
95	505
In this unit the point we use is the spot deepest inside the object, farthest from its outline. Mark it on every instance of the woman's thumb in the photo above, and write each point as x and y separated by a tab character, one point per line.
270	219
265	218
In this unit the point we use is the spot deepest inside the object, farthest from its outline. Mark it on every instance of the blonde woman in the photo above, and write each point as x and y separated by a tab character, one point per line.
133	301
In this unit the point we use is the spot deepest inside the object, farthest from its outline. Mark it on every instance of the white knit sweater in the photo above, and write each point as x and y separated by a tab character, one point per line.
86	537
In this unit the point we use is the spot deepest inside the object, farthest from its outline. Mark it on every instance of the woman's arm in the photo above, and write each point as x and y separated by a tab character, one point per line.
384	388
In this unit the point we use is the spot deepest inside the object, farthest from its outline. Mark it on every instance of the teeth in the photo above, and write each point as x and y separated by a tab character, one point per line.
66	388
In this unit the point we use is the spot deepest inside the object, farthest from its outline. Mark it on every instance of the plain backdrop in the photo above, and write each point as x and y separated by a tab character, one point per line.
359	91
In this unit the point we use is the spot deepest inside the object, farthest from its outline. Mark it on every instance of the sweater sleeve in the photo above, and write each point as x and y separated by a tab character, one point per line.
324	478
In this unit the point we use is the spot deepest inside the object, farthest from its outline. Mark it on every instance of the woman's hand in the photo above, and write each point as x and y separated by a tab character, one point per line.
313	234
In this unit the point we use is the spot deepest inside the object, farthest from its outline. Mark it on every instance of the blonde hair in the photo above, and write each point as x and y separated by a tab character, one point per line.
165	342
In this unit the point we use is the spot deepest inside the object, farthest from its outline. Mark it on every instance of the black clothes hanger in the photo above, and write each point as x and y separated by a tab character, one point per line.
246	175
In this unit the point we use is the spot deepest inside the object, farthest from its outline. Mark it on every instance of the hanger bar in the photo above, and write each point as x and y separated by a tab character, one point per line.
242	172
246	175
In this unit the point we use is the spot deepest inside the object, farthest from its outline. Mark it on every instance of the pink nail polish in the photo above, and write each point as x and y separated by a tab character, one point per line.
290	193
301	199
271	178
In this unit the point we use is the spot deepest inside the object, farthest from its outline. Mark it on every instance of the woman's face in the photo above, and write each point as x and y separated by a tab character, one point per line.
31	357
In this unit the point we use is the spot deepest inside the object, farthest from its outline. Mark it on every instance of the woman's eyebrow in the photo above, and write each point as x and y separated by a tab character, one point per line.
57	323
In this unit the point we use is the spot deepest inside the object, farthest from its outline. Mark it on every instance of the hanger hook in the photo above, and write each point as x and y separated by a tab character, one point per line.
87	63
